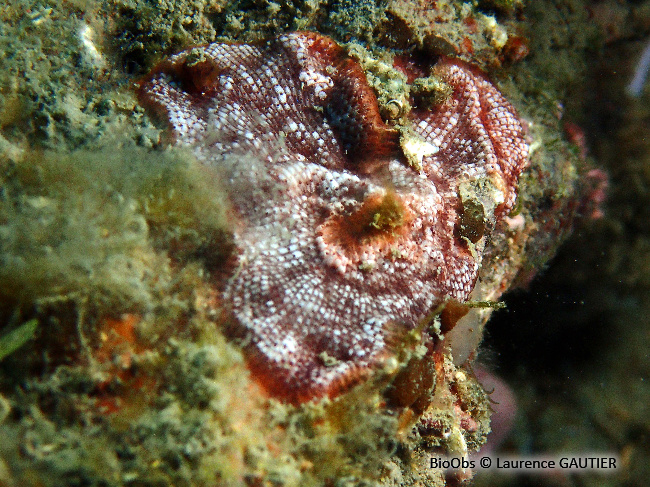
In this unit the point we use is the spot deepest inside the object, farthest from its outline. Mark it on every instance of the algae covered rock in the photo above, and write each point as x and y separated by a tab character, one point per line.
118	360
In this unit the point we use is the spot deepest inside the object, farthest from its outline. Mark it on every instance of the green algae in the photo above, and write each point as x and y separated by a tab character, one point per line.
14	339
248	20
44	71
147	31
79	223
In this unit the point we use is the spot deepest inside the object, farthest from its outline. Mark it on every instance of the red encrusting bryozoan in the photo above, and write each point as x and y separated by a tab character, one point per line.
294	129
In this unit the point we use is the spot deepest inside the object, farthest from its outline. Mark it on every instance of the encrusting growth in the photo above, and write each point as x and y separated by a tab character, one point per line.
340	241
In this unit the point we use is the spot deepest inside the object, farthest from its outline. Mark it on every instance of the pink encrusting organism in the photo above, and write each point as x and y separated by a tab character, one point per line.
343	243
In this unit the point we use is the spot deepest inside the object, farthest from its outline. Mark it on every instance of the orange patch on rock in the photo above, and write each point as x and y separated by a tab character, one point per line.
379	220
119	343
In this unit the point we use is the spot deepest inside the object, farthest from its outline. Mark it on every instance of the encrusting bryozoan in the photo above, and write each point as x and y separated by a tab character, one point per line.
341	242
